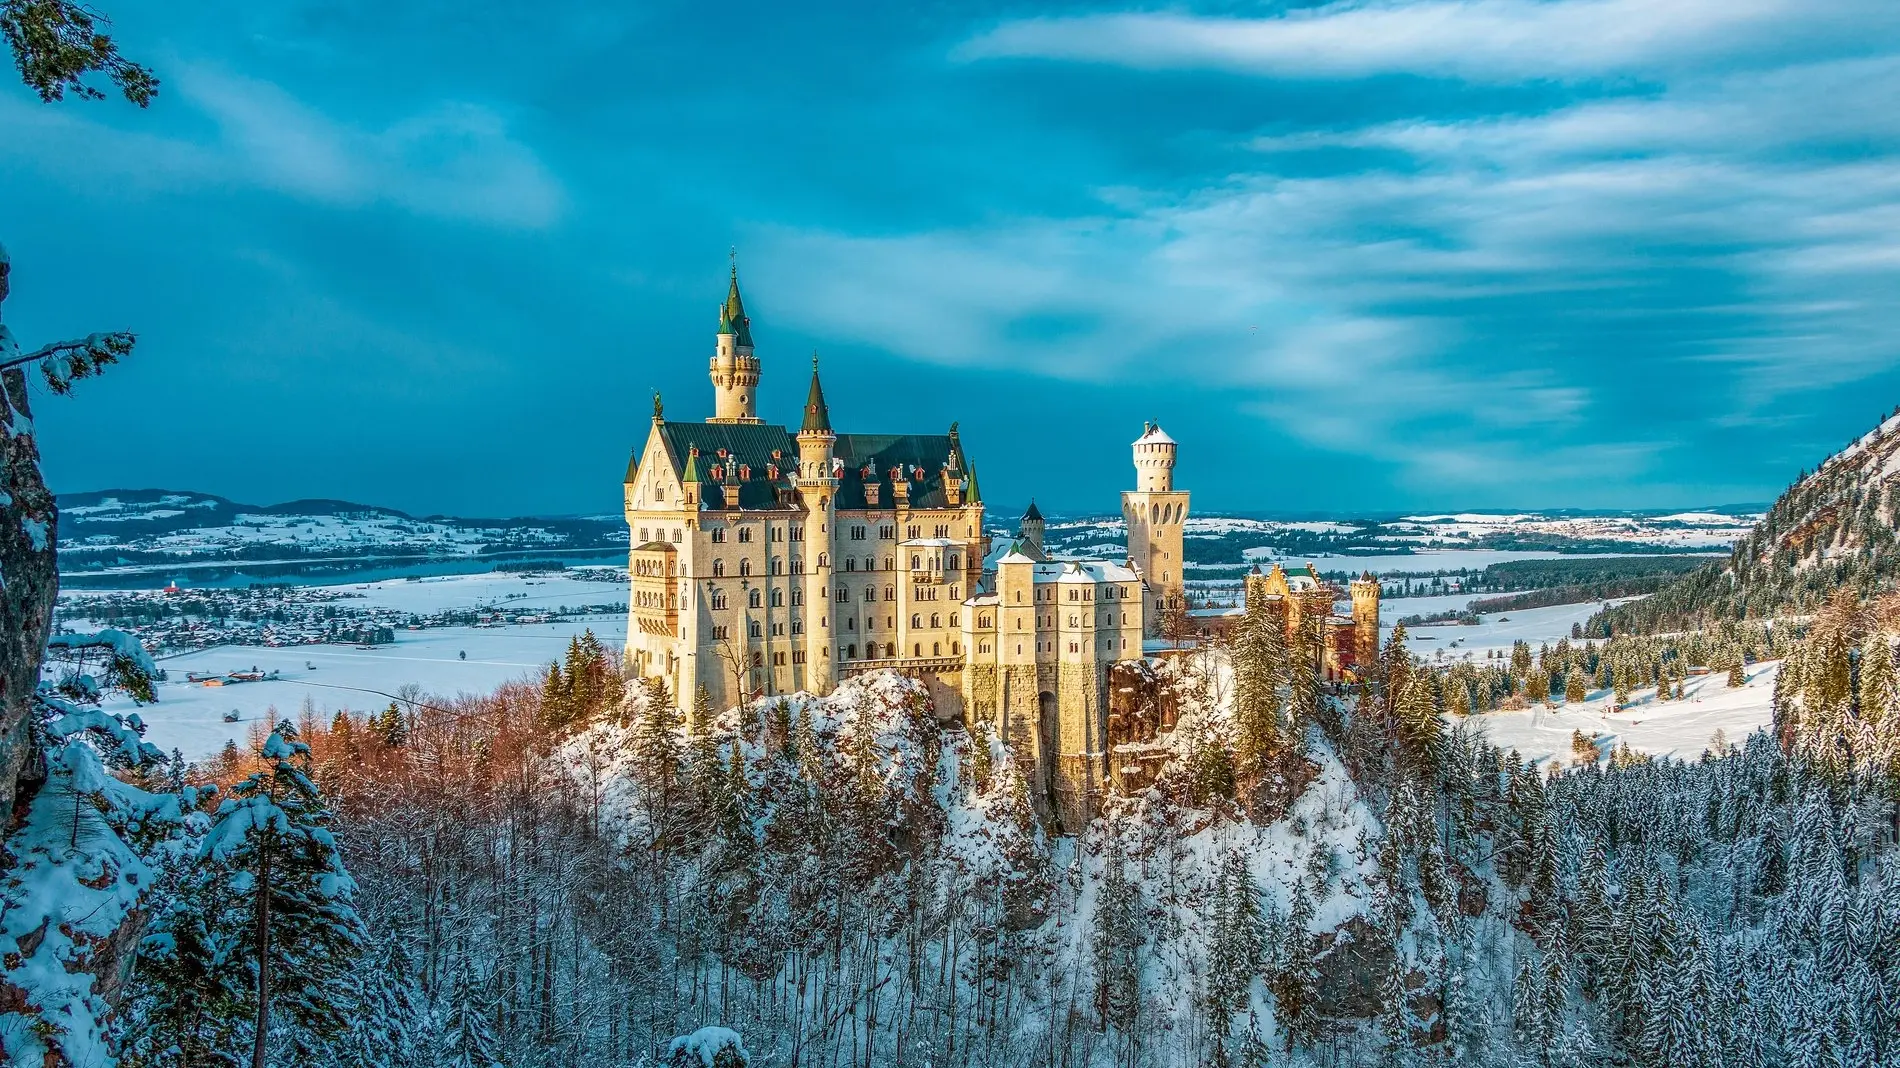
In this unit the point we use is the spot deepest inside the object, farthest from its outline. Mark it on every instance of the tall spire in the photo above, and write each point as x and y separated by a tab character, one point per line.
817	416
732	317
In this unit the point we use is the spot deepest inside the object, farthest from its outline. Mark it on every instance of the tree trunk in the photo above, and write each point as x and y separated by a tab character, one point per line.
263	958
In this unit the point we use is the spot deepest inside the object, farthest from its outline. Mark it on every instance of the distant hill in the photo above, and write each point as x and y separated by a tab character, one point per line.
145	529
1833	528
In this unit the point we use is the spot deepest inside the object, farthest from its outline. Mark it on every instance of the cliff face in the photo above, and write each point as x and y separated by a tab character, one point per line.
29	574
1833	528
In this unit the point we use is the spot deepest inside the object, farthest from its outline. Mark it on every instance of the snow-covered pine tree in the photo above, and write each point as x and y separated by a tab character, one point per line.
1116	942
300	935
468	1041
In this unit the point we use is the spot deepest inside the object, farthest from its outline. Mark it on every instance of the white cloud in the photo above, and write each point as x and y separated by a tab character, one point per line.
1475	39
454	160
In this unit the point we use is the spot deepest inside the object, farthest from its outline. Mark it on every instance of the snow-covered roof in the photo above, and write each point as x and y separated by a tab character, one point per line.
930	543
1013	557
1085	571
1154	436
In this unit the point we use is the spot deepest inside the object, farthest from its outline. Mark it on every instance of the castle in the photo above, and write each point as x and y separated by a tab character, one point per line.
768	561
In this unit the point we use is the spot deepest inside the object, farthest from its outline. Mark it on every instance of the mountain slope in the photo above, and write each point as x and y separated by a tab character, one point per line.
1833	528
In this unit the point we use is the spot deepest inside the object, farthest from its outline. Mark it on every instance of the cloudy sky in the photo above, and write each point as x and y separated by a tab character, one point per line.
1356	256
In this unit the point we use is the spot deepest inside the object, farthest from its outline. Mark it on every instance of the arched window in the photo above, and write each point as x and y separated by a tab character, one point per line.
936	648
890	563
752	628
752	599
850	652
843	595
916	619
719	569
890	593
953	649
917	649
822	557
798	597
719	599
953	619
745	567
935	621
778	598
915	561
870	593
890	649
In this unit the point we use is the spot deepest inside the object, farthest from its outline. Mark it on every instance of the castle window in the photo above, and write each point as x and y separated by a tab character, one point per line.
745	533
943	530
936	621
890	593
911	531
643	535
752	599
916	619
778	597
857	533
917	649
850	564
676	535
823	559
719	599
953	649
798	597
851	623
778	630
778	566
936	648
721	633
1074	648
890	649
719	535
953	561
851	652
890	563
915	561
888	533
843	595
778	659
798	533
870	563
719	569
870	593
753	628
982	647
983	622
798	566
953	593
798	656
745	567
953	619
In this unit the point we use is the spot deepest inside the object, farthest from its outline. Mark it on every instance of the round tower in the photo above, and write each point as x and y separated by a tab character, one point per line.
1154	460
735	371
1365	620
1031	530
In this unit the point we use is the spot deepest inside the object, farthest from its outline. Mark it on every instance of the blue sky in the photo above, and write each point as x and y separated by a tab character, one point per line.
1355	256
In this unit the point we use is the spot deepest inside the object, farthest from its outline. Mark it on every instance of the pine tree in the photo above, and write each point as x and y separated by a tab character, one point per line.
1117	943
1737	674
557	702
302	936
657	747
470	1042
1573	686
980	757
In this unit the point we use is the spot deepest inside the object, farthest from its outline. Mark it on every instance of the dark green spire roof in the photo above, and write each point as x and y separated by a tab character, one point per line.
732	319
1034	514
817	416
692	467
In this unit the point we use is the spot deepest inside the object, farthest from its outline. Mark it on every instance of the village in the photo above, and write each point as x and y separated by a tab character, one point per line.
179	619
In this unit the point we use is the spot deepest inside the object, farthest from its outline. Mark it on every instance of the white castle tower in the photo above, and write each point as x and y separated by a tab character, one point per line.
1156	514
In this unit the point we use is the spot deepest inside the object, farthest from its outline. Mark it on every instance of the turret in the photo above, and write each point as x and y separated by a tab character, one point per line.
735	371
1365	619
815	437
1031	529
1154	460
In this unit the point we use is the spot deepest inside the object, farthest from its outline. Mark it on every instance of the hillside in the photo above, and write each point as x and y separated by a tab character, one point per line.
170	530
1832	529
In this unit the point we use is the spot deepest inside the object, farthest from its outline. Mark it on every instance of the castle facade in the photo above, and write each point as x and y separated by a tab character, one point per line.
766	560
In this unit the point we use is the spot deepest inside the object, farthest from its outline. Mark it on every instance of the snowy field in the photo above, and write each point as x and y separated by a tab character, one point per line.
1498	631
190	716
1679	729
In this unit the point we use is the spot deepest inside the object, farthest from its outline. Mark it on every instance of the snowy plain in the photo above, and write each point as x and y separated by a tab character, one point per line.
190	716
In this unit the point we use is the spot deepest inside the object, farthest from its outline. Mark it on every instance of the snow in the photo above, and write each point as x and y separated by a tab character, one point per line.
1498	631
707	1043
1679	729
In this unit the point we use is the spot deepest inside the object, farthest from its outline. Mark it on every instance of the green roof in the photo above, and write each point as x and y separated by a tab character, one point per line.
748	444
817	416
886	451
732	317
